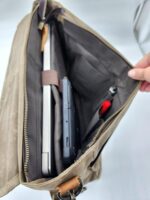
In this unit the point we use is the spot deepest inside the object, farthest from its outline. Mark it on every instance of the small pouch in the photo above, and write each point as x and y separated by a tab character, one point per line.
58	130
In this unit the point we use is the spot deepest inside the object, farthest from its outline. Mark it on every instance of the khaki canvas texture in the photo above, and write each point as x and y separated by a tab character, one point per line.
12	119
11	112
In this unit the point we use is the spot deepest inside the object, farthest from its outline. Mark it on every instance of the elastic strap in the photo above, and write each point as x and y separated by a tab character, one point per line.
50	77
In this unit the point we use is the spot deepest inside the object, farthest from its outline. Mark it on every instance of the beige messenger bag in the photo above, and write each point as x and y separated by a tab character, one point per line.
99	92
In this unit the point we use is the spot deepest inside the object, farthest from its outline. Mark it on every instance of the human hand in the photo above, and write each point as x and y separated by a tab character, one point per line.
142	72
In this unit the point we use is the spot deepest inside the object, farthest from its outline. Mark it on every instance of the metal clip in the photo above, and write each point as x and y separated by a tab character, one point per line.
42	12
113	90
42	9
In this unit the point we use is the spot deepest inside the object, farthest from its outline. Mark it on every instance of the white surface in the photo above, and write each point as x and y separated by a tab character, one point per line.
126	158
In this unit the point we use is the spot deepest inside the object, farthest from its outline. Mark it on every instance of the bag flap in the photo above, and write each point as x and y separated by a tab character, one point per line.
11	110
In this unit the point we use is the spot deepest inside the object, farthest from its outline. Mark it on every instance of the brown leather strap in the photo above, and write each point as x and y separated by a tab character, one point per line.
50	77
44	36
71	184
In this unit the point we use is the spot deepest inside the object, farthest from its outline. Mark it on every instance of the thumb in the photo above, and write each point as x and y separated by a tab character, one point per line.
142	74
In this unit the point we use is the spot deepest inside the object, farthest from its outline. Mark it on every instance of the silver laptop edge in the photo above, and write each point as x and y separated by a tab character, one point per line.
47	113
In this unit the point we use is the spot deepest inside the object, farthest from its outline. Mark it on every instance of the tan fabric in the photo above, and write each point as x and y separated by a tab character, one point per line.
11	106
9	185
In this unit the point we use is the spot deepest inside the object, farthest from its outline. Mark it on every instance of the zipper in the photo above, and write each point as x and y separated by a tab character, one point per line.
27	149
26	139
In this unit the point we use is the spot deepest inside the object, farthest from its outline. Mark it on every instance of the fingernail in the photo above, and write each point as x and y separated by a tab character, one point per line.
131	73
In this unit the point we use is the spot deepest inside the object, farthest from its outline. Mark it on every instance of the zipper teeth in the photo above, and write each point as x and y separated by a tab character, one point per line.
25	134
27	149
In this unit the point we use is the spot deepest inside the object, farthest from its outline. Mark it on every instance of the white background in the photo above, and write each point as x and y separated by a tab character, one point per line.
126	158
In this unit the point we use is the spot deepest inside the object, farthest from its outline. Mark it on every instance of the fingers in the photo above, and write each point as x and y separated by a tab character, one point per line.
144	62
145	87
140	74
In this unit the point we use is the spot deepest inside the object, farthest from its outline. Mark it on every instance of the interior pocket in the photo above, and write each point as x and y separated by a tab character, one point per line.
57	130
91	86
93	68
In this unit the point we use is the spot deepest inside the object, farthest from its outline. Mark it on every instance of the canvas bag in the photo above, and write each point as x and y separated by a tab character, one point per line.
94	66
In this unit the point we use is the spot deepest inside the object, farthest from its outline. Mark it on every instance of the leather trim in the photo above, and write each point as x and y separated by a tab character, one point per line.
71	184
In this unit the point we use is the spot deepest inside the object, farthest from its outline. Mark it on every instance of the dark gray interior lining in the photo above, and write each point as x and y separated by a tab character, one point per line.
34	97
92	68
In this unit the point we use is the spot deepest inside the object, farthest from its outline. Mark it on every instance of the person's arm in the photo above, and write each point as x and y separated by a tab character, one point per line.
142	72
141	24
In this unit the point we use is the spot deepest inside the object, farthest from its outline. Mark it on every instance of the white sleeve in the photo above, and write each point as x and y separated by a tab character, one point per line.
142	25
